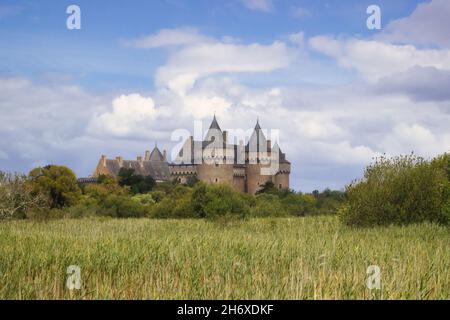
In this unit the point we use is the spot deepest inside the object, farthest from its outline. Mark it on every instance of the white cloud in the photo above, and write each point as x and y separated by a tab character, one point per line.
130	114
429	24
419	83
406	138
258	5
169	37
188	64
375	59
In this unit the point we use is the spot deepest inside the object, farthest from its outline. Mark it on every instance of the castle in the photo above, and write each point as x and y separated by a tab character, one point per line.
212	160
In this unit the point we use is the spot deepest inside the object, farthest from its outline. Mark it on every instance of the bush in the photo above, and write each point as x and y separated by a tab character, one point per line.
267	205
145	199
178	204
400	190
224	200
122	207
328	201
299	205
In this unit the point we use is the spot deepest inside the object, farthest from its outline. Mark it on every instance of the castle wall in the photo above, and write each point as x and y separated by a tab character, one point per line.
282	177
239	184
182	172
239	179
213	174
254	178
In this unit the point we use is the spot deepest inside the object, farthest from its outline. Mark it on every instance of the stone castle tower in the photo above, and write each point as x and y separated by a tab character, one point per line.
214	160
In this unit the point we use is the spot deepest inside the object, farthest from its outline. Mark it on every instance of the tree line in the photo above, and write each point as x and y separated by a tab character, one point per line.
399	190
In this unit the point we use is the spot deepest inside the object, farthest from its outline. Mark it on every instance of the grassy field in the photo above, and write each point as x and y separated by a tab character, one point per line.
297	258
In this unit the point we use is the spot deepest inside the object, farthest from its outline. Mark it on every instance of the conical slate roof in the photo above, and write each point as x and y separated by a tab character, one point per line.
213	132
215	124
257	141
156	155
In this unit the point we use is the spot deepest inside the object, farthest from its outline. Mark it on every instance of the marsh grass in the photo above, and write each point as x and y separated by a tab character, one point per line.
271	258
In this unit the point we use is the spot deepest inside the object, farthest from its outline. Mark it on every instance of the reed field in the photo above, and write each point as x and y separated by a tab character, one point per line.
265	258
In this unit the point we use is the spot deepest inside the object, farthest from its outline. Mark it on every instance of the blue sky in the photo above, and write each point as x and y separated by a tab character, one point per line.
37	40
339	93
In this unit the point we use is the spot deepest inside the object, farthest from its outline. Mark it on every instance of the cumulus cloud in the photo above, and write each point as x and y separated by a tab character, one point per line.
429	24
128	113
406	138
169	37
258	5
420	83
375	59
188	64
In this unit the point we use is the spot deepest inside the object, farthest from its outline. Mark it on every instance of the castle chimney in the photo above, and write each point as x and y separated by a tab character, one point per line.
269	145
120	160
164	155
225	137
139	158
147	155
103	160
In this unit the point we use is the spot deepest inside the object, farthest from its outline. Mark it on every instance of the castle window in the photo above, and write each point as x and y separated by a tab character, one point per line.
216	164
217	180
279	186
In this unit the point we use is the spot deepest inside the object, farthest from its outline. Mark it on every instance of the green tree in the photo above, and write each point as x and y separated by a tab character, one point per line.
58	182
136	182
268	187
399	190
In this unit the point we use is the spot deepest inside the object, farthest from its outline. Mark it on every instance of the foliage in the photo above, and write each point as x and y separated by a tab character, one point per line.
399	190
210	201
224	200
17	198
328	201
192	181
268	187
59	183
136	182
298	204
144	199
266	205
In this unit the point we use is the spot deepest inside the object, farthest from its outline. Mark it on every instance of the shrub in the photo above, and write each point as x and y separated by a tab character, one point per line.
328	201
224	200
122	207
145	199
157	195
177	204
400	190
267	205
299	205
